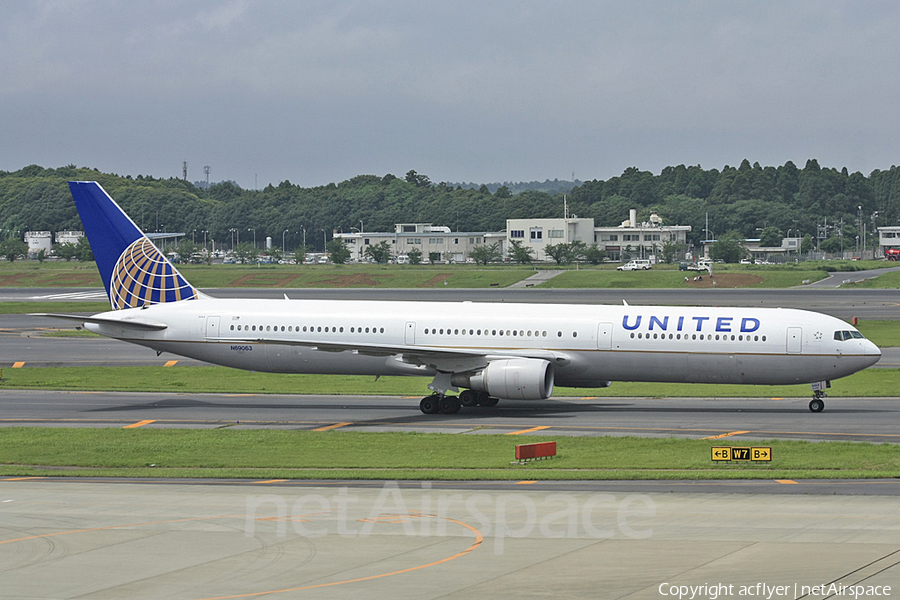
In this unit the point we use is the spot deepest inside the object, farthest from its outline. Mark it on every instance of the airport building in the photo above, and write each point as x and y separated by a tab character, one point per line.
436	243
889	242
788	250
37	241
631	239
68	237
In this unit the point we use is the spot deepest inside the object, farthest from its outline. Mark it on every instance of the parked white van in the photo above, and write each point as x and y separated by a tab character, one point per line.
638	264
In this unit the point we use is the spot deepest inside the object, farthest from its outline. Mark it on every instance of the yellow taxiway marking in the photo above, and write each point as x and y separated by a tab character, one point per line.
139	424
538	428
21	478
18	365
330	427
171	363
271	481
725	435
787	481
525	482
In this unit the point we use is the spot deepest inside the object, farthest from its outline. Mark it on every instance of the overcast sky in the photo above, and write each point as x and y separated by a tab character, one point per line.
318	92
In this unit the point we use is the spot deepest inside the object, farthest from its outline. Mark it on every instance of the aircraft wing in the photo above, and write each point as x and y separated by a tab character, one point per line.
126	323
440	358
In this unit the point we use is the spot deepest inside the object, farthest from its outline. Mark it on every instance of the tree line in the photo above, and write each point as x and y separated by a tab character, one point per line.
831	206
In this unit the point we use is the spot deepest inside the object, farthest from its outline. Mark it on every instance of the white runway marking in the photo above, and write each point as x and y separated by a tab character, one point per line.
90	295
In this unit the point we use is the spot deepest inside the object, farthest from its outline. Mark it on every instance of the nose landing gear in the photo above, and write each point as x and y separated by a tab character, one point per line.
817	404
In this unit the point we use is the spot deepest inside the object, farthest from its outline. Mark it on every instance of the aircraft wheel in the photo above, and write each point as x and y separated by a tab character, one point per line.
449	405
429	405
489	401
468	398
816	405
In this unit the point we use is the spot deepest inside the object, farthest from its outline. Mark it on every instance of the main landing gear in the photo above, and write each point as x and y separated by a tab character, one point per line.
817	403
448	405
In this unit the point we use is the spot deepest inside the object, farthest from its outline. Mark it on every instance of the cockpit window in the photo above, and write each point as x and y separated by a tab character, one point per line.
846	335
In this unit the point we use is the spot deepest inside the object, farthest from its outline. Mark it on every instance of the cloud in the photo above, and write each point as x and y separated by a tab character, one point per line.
315	92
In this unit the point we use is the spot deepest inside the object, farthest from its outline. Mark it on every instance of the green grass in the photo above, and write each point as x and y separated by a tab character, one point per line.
35	275
303	454
14	308
888	281
70	333
883	334
49	274
659	278
222	380
73	274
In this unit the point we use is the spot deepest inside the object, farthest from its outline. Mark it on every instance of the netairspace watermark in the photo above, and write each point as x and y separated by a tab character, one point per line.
496	517
712	591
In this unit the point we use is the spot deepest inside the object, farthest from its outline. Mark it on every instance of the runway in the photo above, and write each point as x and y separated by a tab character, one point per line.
858	419
180	540
844	419
841	303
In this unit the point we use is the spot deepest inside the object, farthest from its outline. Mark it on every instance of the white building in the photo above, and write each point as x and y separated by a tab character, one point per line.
537	234
631	239
888	238
68	237
436	243
37	241
439	244
788	250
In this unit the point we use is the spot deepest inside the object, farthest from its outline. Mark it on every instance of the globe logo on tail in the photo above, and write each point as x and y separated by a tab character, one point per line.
143	276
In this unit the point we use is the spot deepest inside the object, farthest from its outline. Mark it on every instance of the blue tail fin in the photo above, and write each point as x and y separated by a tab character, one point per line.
134	272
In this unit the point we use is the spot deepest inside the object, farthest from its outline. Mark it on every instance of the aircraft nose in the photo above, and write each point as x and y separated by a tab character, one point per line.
872	351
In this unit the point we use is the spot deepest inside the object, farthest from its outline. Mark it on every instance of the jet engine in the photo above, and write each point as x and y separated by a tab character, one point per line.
511	378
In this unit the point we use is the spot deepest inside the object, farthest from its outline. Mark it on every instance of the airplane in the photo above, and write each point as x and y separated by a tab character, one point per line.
493	350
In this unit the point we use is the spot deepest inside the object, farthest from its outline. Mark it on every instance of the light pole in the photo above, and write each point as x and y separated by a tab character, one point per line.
254	235
710	236
283	250
859	231
874	232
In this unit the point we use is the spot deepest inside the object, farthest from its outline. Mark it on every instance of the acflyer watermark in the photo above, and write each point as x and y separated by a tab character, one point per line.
713	591
423	512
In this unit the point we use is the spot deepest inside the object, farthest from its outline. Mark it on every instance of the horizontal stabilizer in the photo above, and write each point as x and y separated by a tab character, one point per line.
104	321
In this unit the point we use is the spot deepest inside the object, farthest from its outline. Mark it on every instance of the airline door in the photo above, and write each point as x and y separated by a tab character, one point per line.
794	340
604	336
212	327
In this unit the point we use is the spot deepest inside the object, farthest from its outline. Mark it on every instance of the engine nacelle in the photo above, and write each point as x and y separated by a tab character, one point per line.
512	379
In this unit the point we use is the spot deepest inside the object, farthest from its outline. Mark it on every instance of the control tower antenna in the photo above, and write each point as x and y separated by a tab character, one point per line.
206	170
184	169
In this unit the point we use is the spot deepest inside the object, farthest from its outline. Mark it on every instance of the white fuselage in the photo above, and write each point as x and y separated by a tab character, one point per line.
588	346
